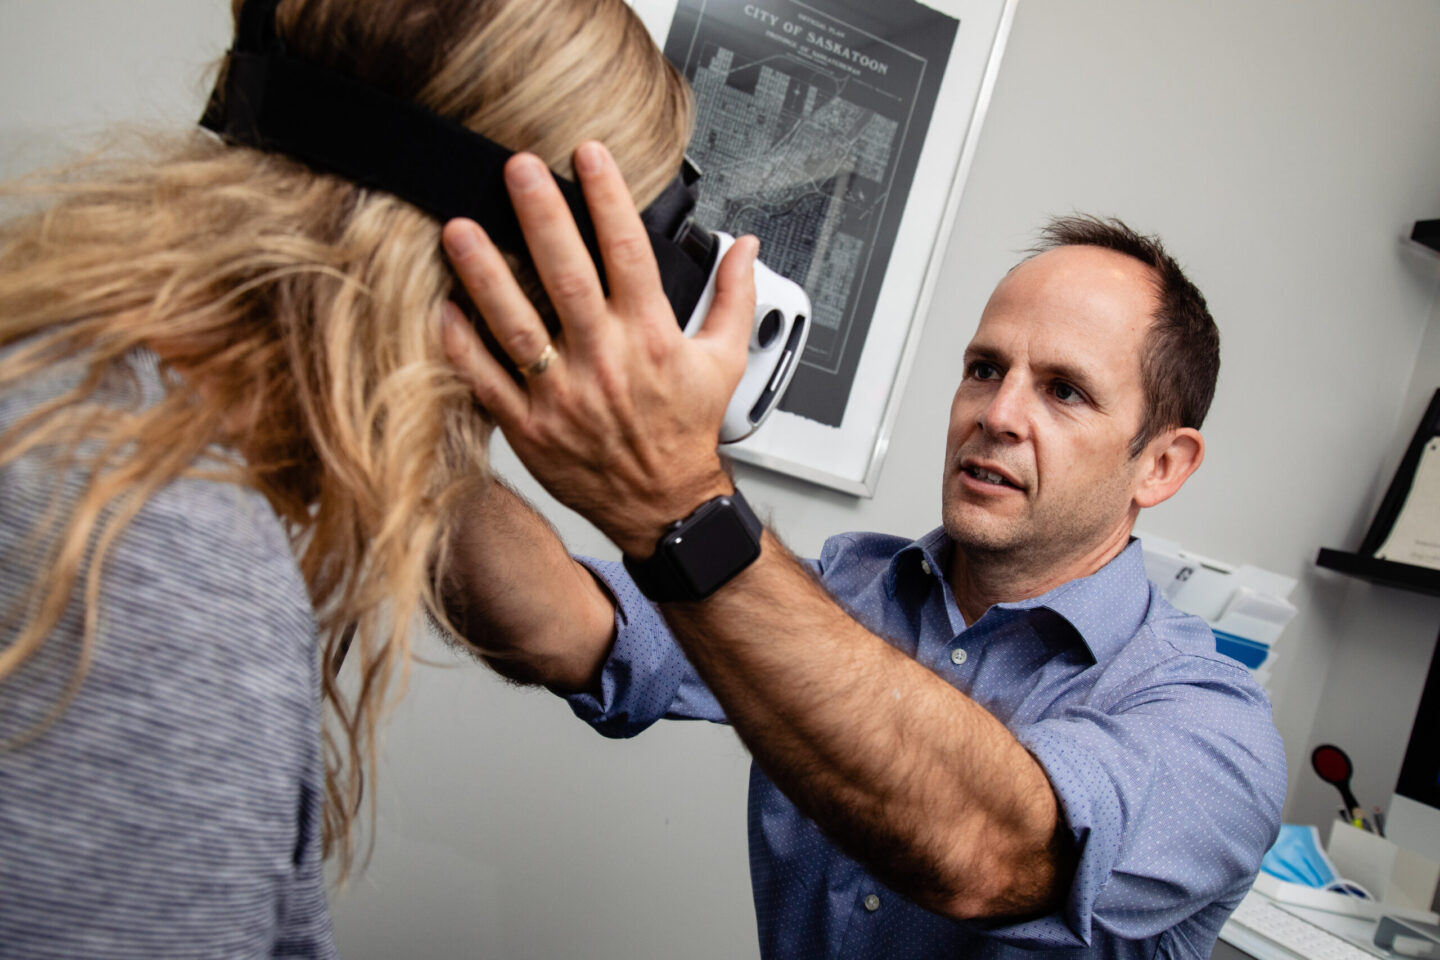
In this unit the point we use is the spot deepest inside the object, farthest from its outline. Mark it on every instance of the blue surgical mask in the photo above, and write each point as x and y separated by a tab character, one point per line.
1297	857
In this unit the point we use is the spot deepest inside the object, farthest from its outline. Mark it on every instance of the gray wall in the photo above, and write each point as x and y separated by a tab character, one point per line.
1280	146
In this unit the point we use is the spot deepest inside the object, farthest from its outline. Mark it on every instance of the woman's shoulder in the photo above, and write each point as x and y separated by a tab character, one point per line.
201	554
216	551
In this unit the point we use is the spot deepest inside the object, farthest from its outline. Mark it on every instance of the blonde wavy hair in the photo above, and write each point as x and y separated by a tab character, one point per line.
296	317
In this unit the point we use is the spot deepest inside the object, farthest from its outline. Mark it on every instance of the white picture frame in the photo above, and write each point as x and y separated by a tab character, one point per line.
847	455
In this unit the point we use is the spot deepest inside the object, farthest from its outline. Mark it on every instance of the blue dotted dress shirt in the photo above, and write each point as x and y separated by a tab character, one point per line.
1162	752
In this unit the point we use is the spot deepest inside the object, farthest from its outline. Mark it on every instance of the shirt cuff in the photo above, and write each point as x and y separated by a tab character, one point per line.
646	677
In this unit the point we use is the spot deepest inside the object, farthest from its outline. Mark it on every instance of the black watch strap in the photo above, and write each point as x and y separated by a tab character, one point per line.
700	554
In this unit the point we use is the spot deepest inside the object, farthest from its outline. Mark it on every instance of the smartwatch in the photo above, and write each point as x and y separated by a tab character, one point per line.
700	554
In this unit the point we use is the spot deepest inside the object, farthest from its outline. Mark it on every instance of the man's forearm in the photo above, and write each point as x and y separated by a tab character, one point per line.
517	596
903	769
905	772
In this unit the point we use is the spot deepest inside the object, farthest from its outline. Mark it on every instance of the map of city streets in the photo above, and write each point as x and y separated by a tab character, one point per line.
809	124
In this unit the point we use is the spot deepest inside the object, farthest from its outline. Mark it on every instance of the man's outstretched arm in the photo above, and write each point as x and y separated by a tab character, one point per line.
904	771
515	594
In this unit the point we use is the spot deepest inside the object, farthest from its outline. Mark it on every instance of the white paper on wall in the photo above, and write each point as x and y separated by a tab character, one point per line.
1415	537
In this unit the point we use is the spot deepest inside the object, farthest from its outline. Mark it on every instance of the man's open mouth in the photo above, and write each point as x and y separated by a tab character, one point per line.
988	476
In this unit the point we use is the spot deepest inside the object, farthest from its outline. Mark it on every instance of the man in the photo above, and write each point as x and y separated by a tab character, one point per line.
1004	741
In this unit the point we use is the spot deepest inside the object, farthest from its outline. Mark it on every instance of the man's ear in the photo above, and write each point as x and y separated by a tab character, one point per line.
1166	463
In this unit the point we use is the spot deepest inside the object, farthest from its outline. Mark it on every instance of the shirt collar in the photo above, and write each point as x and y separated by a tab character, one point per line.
934	548
1105	609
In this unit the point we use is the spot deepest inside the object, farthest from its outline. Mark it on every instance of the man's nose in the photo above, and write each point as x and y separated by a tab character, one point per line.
1007	415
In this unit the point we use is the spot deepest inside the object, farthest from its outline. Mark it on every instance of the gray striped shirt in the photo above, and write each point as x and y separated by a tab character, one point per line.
174	809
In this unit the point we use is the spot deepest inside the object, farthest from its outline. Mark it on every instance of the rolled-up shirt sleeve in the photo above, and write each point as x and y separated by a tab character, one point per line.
1171	793
646	676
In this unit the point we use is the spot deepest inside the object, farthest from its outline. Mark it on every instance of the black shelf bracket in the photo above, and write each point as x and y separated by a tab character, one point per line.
1362	563
1427	233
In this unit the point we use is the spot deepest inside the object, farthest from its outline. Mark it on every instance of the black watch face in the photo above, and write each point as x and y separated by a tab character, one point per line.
711	548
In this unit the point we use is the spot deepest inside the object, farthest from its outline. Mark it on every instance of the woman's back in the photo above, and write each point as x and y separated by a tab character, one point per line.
280	503
174	807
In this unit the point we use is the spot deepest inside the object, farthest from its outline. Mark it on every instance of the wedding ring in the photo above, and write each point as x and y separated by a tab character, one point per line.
542	362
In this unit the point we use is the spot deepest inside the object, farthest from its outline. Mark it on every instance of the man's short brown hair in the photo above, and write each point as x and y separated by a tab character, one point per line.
1181	359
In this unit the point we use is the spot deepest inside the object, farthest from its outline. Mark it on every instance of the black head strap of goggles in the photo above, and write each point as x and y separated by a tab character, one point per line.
336	123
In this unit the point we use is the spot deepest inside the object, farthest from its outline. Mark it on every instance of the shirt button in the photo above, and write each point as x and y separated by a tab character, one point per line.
958	656
925	566
872	902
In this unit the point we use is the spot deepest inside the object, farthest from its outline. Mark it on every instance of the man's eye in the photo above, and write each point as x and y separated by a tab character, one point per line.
980	370
1067	394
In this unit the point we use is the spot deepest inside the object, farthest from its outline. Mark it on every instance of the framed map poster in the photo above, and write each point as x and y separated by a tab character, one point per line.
839	132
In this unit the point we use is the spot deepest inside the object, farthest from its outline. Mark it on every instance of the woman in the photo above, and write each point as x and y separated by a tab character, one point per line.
230	450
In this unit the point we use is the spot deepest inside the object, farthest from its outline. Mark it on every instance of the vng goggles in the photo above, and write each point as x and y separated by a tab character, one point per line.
333	122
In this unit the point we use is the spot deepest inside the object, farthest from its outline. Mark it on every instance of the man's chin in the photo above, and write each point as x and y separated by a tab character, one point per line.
982	533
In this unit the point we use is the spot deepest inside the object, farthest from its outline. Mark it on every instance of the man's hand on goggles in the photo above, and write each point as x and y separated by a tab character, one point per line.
618	417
